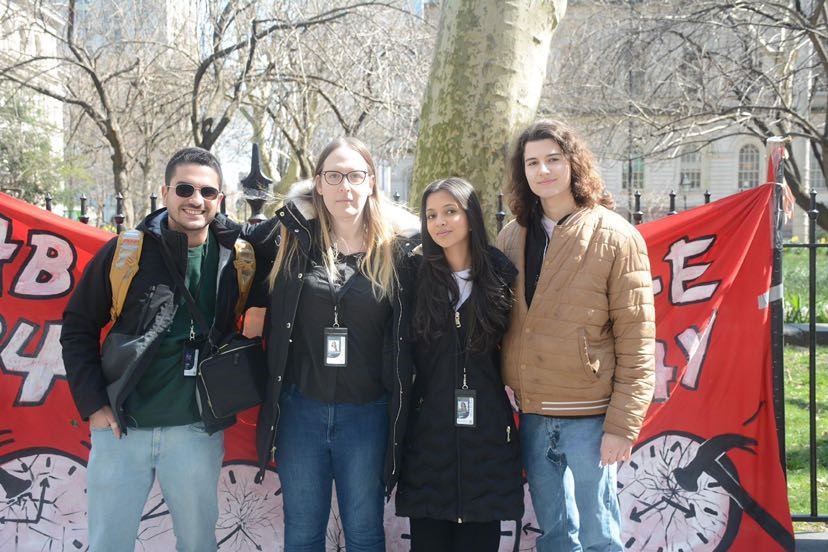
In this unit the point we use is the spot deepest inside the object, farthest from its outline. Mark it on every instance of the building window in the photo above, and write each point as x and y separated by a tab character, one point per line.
748	167
816	178
637	174
690	177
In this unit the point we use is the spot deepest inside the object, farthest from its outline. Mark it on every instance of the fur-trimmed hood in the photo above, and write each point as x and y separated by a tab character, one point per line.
403	222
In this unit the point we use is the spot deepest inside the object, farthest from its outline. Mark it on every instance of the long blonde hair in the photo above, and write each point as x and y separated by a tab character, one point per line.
378	262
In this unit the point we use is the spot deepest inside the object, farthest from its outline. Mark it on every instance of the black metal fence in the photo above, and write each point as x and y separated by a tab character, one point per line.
812	247
777	315
637	215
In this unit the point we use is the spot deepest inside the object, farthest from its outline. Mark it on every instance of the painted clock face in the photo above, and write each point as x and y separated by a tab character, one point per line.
42	501
664	516
250	515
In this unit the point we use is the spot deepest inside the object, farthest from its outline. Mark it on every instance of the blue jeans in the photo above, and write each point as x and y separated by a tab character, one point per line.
121	473
574	497
318	443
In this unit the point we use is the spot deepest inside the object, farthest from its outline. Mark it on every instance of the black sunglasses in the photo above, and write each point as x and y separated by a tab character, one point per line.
186	190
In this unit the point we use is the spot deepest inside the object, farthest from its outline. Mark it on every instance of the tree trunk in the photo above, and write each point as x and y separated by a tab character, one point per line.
802	196
121	184
485	84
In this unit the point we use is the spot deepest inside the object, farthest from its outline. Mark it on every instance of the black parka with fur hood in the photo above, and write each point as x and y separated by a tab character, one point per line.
299	218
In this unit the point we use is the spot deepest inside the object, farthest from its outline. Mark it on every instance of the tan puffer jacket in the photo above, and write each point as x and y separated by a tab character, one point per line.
587	344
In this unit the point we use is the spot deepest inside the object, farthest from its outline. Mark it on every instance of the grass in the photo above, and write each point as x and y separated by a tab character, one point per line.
795	279
797	433
797	446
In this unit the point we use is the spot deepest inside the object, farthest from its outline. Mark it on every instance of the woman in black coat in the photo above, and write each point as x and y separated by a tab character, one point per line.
461	472
338	372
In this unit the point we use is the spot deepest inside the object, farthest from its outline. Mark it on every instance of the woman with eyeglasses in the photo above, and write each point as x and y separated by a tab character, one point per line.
338	369
461	472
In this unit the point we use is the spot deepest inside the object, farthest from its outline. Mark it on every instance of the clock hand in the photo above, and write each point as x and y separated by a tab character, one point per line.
707	461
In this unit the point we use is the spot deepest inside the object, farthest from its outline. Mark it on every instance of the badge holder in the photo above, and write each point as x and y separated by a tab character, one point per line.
190	353
465	408
336	344
465	403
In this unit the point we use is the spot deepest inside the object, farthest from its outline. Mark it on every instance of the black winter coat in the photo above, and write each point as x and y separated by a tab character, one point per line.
148	311
299	220
454	473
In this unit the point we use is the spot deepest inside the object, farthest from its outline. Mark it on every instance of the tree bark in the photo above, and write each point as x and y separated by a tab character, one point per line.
120	175
485	84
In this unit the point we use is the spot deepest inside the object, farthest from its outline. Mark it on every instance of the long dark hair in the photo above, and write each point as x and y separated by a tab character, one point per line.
586	184
437	292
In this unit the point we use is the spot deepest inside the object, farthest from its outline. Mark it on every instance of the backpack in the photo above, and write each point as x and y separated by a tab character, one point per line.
125	266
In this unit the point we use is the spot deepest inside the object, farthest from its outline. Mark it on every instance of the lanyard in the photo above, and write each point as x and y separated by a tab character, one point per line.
468	346
205	249
336	297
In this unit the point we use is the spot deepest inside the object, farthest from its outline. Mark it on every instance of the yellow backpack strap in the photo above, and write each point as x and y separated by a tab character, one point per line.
245	265
124	268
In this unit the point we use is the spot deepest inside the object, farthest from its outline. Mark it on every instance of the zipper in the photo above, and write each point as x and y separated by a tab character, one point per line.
239	348
275	429
399	384
457	319
206	393
456	429
292	320
508	434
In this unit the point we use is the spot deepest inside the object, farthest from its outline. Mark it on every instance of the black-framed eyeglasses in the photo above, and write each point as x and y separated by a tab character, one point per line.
355	178
186	190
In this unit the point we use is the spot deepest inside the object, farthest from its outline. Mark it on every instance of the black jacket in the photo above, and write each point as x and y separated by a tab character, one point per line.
298	218
105	375
461	473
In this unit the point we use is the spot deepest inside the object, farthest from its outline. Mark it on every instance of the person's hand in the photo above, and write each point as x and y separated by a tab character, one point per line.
254	322
103	419
614	449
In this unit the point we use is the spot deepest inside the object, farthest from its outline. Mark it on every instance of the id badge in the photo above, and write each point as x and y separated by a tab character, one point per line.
336	346
190	358
465	406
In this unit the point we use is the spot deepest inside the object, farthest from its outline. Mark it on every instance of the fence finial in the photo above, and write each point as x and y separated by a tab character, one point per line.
255	186
638	215
501	214
119	213
84	218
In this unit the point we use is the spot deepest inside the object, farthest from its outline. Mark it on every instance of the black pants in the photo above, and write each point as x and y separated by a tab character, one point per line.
437	535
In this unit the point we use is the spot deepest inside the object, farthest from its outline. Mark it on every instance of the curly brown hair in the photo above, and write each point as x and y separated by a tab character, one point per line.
587	186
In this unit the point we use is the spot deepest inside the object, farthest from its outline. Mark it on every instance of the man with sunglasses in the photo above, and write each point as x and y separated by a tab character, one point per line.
139	389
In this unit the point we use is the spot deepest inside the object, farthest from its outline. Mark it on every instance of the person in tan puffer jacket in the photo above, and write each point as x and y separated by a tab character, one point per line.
579	353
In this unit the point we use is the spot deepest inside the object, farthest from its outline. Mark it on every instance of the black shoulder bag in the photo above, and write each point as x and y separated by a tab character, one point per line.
234	371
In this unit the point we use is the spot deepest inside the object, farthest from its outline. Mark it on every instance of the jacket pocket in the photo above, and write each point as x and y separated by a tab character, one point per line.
590	367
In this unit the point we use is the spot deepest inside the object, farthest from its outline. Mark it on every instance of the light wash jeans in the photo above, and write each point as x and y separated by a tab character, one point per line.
574	497
121	473
318	443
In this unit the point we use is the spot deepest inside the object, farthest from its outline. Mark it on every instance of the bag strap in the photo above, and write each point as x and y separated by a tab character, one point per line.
198	316
245	265
124	267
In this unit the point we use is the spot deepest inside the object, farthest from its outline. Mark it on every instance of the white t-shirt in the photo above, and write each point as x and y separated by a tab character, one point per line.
464	284
548	225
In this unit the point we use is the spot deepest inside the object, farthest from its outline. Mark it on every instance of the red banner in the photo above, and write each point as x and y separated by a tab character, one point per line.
705	474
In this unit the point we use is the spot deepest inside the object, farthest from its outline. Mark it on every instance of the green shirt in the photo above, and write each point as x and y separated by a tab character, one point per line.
164	396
